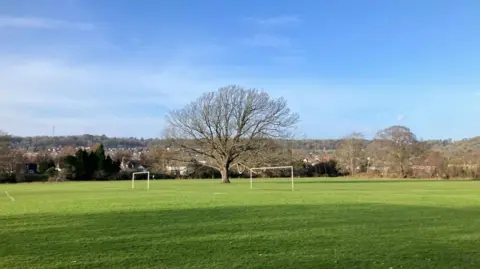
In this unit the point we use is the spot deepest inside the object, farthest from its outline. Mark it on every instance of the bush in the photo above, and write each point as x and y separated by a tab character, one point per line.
121	176
35	178
65	174
100	175
51	172
204	172
7	178
160	176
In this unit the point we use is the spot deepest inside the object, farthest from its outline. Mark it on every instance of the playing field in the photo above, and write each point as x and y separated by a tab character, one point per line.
204	224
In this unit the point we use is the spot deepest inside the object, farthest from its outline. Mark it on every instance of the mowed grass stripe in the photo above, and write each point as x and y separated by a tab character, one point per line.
185	224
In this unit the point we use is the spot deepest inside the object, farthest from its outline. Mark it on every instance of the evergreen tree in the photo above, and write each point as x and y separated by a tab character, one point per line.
44	165
111	167
79	168
92	165
101	159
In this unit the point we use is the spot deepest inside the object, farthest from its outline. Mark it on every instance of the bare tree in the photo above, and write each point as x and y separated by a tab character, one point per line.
5	153
401	146
437	164
158	159
273	153
229	126
66	151
122	155
11	160
350	151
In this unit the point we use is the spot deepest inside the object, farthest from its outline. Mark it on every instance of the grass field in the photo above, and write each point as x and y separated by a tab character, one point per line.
204	224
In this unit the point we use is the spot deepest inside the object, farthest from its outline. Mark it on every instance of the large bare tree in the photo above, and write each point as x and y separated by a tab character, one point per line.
401	146
350	151
229	126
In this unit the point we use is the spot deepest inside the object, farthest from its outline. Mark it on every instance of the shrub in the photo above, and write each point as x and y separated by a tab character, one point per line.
35	178
65	174
100	175
7	178
121	176
160	176
51	172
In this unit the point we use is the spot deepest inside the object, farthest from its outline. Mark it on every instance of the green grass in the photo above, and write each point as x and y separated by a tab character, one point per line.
204	224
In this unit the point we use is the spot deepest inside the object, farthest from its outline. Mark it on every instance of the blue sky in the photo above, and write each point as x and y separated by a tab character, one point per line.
116	67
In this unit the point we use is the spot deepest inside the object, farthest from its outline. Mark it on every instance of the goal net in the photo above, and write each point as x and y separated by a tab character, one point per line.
258	170
139	175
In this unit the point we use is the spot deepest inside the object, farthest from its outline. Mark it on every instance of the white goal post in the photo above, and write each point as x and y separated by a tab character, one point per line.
138	173
270	168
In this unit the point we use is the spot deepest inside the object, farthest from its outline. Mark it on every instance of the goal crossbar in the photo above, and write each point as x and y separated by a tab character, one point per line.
138	173
271	168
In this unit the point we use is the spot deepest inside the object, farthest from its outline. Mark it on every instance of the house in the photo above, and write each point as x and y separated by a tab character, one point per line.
30	168
21	169
315	160
381	169
59	165
177	170
128	165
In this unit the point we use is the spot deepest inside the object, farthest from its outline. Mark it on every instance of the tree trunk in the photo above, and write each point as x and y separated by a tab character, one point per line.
224	172
352	169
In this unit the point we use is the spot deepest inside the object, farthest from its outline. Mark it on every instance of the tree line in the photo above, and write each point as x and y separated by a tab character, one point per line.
82	165
225	132
238	126
89	165
39	143
395	152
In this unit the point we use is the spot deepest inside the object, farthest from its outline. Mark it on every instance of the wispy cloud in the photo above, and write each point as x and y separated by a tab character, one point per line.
401	117
267	40
118	99
42	23
121	99
94	97
276	20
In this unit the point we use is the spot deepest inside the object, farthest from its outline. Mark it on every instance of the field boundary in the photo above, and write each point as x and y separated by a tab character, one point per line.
9	196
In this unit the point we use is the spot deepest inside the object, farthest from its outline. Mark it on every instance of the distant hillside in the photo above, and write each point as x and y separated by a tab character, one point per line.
463	146
44	142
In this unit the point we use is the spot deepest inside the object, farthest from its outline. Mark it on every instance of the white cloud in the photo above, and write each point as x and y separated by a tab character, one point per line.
276	20
122	99
401	117
93	98
42	23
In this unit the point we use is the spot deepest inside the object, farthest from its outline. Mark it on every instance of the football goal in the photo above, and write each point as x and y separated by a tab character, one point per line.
263	169
141	173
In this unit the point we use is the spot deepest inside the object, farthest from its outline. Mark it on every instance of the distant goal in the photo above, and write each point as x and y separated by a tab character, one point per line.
288	168
141	173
